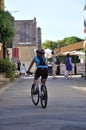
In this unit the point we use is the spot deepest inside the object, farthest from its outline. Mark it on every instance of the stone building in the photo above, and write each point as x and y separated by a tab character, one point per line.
26	40
26	32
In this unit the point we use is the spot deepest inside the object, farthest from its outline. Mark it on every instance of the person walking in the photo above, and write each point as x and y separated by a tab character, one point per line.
68	63
18	66
23	70
54	66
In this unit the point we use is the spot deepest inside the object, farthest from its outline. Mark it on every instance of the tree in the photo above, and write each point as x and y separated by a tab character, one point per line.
60	43
49	44
71	40
6	29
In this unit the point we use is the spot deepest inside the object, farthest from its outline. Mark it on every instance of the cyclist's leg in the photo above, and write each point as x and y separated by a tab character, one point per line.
44	81
37	75
44	94
44	76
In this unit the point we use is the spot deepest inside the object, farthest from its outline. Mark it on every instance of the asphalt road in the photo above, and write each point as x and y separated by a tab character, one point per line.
66	109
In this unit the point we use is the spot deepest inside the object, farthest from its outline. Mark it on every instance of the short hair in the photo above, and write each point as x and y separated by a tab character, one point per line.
52	52
41	51
68	55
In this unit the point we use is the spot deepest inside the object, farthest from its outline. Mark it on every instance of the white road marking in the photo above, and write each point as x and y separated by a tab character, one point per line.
79	88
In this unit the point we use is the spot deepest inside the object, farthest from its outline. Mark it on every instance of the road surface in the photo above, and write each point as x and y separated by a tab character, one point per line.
66	109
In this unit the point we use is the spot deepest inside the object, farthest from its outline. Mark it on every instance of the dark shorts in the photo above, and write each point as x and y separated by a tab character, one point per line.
41	72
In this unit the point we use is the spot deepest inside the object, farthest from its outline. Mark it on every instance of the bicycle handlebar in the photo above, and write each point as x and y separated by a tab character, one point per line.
30	72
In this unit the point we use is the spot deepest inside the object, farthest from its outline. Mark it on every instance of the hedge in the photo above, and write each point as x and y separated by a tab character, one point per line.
8	68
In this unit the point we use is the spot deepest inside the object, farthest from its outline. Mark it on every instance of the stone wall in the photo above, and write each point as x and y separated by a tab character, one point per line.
26	32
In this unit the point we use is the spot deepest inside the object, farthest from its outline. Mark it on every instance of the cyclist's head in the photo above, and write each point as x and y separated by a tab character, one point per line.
38	51
41	51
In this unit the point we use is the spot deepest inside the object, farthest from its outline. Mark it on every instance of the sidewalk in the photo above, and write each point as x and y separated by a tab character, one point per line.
5	81
2	83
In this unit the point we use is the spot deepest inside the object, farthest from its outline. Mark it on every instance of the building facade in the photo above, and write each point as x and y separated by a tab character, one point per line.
26	32
1	4
27	39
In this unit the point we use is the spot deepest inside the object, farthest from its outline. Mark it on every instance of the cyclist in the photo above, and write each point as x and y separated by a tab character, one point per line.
42	67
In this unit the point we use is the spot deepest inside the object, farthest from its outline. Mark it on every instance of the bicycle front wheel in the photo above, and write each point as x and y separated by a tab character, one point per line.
34	95
44	96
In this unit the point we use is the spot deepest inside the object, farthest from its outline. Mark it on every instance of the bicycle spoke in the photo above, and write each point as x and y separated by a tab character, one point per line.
34	96
44	96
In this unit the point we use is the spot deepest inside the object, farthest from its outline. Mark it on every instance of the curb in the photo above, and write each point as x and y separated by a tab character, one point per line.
4	82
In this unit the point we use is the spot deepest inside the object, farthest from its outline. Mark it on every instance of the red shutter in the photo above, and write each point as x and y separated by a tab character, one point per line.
15	52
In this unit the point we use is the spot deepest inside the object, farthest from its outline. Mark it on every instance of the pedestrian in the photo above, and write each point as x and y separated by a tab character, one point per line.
58	61
18	66
23	70
68	64
58	65
54	66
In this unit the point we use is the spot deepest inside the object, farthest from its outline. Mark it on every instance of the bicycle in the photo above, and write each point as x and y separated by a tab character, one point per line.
35	95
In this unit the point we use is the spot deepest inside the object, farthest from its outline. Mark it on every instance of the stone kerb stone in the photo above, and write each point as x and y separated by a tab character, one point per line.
3	77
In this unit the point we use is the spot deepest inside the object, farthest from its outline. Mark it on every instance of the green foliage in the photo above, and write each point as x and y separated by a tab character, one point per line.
74	58
6	29
71	40
9	45
8	68
49	44
60	43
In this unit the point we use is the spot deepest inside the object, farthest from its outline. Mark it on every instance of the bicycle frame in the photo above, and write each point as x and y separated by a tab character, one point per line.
39	84
41	90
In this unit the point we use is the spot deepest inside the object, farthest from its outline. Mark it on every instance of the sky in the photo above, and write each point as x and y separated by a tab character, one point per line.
57	19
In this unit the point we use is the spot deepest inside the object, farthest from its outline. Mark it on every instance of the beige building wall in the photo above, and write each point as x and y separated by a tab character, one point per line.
1	4
26	54
27	38
1	51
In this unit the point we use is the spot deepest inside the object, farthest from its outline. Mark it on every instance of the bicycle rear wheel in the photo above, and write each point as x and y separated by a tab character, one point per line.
34	95
44	97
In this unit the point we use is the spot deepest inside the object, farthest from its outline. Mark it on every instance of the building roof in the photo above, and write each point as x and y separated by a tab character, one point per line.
71	47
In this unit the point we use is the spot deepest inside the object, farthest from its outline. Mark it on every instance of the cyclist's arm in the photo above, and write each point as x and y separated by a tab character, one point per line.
46	62
32	62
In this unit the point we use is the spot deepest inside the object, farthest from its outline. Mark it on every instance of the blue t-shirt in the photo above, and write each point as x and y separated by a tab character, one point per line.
37	61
